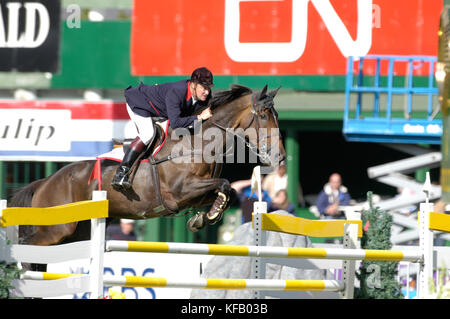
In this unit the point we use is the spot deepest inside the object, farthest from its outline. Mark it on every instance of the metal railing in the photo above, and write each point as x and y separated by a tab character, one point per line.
386	76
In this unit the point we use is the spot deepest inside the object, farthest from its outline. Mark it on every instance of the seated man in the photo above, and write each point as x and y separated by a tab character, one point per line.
333	195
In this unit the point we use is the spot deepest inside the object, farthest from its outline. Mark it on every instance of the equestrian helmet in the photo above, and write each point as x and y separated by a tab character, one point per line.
202	76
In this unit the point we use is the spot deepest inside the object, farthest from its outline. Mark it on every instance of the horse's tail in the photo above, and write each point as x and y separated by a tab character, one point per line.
23	197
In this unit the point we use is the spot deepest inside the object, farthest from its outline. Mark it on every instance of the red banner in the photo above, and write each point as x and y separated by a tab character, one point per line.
257	37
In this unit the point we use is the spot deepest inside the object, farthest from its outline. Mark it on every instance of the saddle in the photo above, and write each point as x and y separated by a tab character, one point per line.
161	126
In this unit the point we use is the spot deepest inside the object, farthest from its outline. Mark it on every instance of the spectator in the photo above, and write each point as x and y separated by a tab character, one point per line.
280	202
243	190
333	195
276	181
122	231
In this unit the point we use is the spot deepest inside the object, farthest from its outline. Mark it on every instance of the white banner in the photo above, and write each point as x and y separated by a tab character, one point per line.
34	130
173	266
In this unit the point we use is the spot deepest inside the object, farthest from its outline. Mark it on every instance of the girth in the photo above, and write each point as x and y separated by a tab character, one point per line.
161	208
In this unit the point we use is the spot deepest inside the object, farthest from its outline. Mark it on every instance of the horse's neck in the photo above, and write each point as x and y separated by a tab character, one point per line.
229	116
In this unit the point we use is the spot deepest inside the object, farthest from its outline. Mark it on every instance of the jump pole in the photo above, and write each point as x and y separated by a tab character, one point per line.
202	283
350	242
425	243
98	230
258	268
263	251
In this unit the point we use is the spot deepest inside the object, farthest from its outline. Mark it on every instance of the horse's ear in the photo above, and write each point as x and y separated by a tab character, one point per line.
263	92
274	92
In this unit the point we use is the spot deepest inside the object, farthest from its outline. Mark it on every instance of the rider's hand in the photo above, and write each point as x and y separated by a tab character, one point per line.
206	114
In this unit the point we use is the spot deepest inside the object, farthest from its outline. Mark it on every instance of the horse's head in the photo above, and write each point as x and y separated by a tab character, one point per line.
264	120
252	118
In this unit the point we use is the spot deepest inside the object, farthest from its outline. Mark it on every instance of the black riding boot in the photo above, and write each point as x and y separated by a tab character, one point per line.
120	180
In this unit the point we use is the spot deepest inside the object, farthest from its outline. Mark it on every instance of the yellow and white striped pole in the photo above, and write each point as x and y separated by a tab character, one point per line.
256	284
264	251
37	275
213	283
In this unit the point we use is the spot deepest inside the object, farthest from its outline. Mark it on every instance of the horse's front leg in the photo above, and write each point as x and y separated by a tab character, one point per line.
217	190
224	197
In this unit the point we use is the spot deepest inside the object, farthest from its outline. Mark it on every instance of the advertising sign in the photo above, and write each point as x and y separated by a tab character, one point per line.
29	35
59	130
28	129
276	37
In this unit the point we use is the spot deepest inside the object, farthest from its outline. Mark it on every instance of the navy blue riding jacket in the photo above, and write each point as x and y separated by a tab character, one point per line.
169	100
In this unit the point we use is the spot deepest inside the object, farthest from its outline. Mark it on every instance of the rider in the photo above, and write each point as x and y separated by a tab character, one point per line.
176	101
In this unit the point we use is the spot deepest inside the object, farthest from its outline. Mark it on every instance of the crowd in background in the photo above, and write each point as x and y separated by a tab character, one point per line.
329	203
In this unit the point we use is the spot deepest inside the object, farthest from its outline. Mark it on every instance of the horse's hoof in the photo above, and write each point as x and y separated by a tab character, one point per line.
217	216
216	212
196	222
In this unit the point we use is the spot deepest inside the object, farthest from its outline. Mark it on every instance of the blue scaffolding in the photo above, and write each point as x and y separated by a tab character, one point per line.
380	123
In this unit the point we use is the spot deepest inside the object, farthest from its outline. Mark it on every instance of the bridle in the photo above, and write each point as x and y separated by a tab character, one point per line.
263	152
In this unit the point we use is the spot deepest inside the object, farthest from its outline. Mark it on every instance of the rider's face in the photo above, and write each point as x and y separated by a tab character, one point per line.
201	92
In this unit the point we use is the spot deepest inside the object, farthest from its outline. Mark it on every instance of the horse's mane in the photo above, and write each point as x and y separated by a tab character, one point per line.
223	97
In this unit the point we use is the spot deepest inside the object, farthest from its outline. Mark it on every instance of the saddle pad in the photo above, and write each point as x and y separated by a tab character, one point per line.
117	154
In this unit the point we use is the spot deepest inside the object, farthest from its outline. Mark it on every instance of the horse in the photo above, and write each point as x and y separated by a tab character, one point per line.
168	183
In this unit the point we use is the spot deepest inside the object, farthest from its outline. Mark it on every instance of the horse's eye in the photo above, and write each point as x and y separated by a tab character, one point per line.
263	116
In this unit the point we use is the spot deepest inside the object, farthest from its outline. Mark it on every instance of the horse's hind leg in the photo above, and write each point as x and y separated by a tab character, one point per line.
44	236
50	235
68	185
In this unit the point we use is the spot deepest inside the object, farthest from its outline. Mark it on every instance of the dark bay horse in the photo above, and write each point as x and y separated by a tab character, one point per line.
180	184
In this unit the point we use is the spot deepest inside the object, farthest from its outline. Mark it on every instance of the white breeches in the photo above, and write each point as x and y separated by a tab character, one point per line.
144	126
